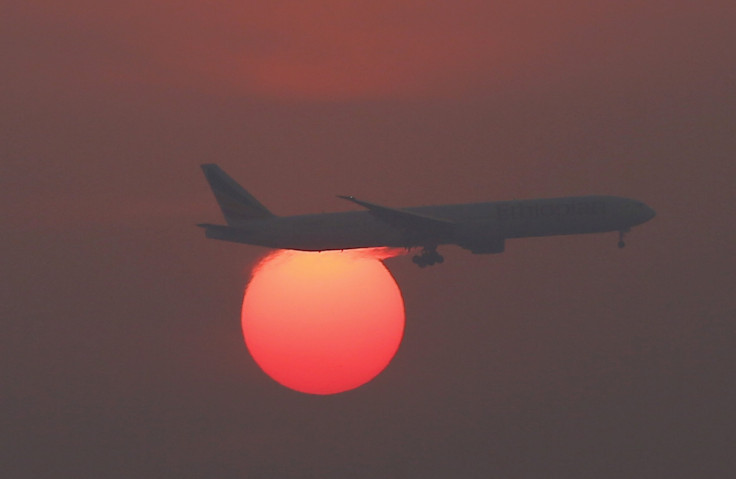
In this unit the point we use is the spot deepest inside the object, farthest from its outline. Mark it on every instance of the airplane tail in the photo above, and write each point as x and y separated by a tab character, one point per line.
237	205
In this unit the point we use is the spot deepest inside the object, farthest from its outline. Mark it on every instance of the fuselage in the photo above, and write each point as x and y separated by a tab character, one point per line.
479	227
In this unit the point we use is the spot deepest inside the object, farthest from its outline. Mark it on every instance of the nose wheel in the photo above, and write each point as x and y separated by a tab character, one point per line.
621	242
428	257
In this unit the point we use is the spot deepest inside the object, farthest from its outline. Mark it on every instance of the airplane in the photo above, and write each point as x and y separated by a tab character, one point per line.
482	228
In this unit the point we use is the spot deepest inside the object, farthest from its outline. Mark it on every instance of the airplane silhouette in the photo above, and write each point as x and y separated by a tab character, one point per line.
481	228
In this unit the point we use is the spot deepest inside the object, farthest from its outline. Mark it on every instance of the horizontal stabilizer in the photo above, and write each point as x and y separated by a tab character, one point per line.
225	233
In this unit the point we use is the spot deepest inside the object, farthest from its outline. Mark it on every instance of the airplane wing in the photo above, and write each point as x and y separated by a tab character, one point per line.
403	218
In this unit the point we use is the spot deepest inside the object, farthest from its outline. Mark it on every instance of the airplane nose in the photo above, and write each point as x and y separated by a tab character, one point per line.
639	212
648	213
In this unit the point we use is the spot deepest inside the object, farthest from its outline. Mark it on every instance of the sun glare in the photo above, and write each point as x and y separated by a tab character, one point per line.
323	323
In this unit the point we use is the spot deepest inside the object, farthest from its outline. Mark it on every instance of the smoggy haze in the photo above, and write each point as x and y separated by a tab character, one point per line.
120	341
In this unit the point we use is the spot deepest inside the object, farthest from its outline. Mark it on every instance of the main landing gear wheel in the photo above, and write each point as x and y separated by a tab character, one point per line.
621	242
428	257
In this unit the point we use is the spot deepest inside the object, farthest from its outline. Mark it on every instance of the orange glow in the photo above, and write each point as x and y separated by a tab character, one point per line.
322	323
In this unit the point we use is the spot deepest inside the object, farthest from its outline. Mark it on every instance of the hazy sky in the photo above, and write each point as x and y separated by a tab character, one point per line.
120	346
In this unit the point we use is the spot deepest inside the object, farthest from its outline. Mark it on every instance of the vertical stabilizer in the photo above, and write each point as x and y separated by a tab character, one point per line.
236	203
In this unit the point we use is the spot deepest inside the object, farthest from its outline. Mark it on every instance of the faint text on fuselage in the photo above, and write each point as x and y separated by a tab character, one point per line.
523	211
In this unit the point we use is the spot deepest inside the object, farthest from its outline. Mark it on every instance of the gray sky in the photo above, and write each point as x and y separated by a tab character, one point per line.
121	351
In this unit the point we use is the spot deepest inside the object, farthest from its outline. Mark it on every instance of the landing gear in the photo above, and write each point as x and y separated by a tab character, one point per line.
621	242
428	257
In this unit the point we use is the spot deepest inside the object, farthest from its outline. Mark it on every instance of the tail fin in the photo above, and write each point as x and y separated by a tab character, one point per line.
237	205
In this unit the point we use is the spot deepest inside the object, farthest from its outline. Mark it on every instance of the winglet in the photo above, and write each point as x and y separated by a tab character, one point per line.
353	199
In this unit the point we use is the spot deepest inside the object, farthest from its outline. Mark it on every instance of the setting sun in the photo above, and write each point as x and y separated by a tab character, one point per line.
322	323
